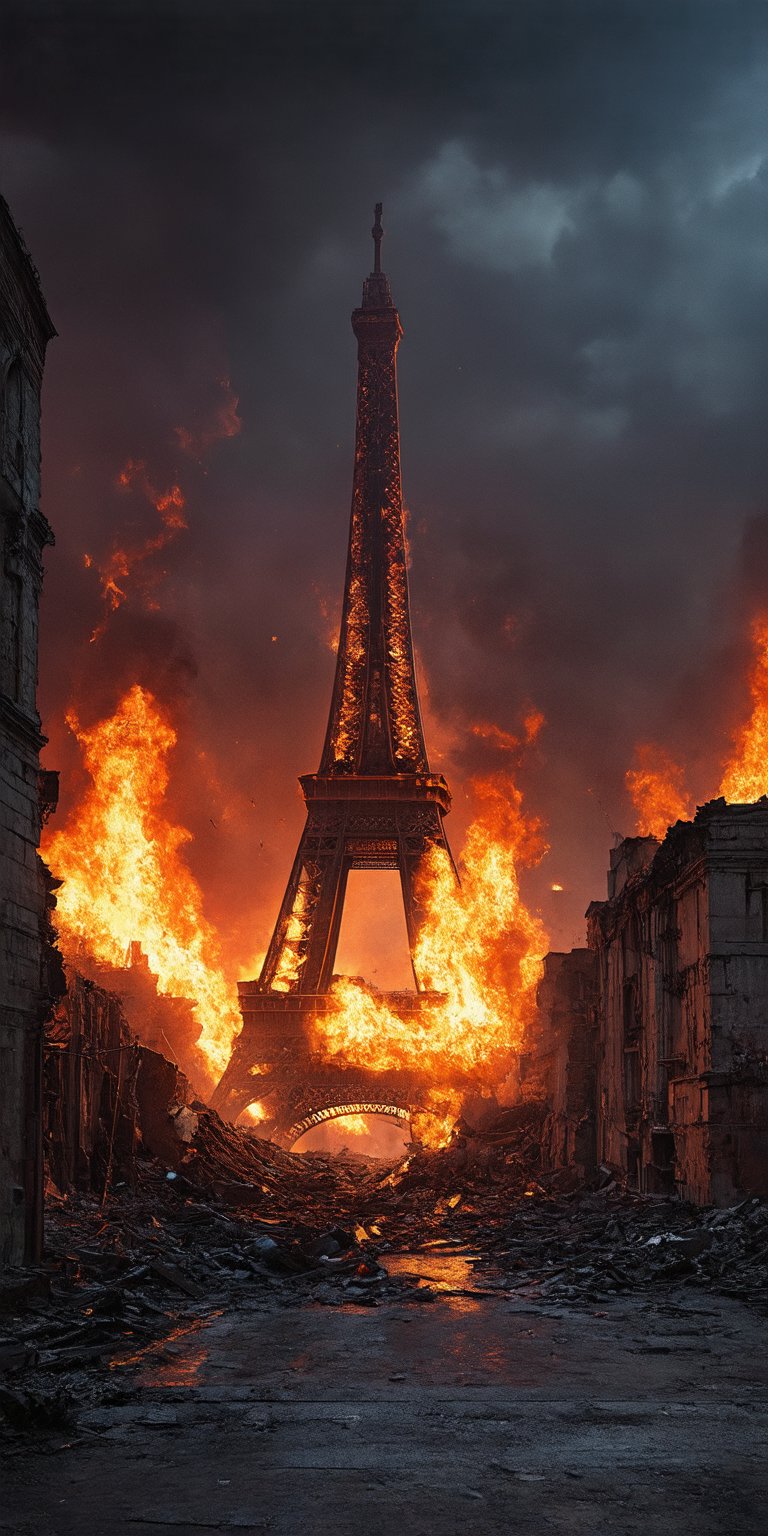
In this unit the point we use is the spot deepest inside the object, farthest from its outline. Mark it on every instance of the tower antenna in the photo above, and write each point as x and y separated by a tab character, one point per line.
378	236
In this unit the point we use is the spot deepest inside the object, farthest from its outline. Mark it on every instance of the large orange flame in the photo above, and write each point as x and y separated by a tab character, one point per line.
745	775
124	879
124	876
657	787
478	945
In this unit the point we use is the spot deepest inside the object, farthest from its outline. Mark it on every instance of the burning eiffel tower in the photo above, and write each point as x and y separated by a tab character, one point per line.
374	804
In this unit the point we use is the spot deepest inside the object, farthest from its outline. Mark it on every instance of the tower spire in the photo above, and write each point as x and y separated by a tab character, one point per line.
378	236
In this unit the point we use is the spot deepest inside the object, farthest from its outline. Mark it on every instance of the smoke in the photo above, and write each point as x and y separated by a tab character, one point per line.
574	202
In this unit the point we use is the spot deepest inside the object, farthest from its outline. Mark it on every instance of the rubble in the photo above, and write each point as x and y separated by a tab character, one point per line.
161	1214
238	1217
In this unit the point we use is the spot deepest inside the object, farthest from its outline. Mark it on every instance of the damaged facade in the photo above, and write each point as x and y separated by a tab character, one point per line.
561	1066
26	794
682	976
107	1097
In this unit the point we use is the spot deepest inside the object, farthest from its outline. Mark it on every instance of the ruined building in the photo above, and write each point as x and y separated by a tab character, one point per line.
560	1064
25	793
682	1013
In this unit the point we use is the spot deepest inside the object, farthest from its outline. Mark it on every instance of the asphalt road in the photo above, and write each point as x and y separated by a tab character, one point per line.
463	1414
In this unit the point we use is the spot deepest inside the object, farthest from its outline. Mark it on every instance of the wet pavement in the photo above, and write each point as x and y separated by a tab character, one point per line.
464	1412
345	1348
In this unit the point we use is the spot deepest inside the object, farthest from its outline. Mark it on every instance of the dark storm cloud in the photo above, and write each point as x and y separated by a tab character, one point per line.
575	201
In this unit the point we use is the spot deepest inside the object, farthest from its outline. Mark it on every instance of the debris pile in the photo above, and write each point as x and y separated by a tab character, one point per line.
226	1218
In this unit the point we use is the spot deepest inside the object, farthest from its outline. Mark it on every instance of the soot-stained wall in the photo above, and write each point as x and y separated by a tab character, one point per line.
26	956
682	956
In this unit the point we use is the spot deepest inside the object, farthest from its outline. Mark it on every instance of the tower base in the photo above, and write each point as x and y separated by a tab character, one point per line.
272	1063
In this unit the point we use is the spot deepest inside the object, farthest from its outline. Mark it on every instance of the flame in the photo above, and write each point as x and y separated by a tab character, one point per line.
532	724
255	1112
745	775
433	1125
533	721
657	784
657	788
223	423
504	740
123	562
352	1125
478	945
125	878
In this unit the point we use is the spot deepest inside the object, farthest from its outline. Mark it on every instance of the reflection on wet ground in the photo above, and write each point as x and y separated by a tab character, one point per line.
173	1361
450	1273
646	1415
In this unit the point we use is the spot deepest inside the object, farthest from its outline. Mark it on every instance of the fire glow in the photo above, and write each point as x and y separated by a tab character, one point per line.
124	876
478	945
124	562
745	775
657	783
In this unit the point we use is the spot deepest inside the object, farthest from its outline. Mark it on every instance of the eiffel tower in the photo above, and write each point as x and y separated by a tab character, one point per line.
373	804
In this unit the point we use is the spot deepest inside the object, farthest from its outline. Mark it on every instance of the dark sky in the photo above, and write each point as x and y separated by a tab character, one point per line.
575	198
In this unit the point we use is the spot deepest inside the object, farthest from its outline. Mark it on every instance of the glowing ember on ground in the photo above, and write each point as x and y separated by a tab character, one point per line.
745	776
478	945
657	787
124	875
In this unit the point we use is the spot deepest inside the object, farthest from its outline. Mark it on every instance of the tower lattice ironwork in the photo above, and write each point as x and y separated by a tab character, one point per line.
374	804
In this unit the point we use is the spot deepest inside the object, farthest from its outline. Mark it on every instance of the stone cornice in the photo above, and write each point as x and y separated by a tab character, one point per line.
21	726
19	278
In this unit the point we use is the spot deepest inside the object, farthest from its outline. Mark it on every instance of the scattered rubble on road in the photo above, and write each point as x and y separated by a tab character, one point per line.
238	1216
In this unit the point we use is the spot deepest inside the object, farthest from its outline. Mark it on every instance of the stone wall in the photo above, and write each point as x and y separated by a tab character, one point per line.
106	1097
89	1090
27	964
682	956
561	1067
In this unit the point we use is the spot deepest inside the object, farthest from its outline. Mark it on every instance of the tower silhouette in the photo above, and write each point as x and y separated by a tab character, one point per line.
373	804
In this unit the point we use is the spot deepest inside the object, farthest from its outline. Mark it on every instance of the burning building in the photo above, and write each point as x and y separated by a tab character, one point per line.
682	1015
26	794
